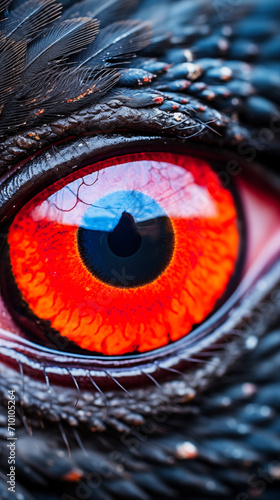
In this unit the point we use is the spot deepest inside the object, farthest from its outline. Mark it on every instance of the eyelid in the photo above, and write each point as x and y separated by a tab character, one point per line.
58	162
135	372
30	177
135	112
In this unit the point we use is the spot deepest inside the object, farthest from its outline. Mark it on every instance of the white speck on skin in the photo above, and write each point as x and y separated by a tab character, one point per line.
226	401
188	55
249	389
265	411
274	470
226	73
236	453
186	450
177	117
251	342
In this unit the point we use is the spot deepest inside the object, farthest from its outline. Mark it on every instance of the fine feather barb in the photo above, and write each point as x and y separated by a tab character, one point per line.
61	85
76	385
76	87
29	18
64	438
59	42
79	441
12	55
117	43
59	94
107	11
4	4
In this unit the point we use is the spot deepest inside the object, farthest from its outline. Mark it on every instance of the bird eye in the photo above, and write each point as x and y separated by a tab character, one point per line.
124	260
125	255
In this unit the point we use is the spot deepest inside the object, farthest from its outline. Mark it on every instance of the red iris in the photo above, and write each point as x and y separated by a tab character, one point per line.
129	302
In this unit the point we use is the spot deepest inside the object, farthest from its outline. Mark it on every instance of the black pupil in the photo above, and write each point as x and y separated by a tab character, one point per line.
125	238
132	252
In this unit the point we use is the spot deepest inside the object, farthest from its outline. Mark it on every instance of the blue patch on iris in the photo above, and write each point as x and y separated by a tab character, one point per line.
126	239
106	212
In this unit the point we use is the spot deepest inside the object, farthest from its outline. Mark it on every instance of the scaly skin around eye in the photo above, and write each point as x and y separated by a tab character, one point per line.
201	417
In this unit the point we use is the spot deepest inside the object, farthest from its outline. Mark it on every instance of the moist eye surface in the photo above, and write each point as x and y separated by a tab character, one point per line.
126	232
124	256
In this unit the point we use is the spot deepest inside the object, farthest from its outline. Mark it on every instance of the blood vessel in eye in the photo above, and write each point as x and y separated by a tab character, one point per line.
128	254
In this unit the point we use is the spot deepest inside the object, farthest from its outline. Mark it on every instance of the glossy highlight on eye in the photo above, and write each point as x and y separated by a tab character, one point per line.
127	254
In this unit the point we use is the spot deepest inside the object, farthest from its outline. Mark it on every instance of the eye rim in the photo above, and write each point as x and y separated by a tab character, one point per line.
26	179
18	308
153	144
106	146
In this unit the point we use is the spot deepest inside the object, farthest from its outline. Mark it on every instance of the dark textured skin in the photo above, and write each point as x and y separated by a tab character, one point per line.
221	393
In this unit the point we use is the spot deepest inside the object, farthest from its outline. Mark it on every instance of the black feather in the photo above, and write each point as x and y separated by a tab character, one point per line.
4	4
60	85
106	12
59	93
117	43
76	87
12	54
59	42
27	19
